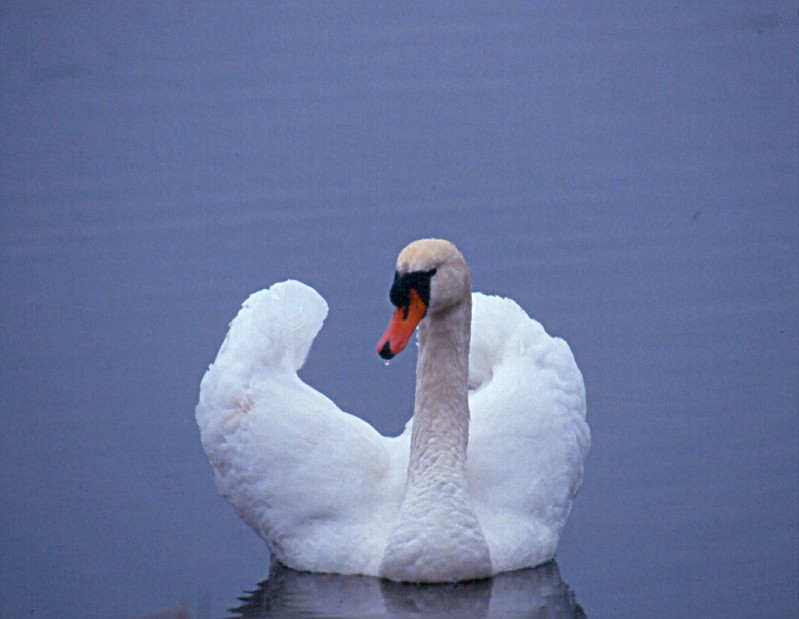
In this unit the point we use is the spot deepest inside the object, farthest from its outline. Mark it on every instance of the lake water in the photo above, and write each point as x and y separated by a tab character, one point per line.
629	175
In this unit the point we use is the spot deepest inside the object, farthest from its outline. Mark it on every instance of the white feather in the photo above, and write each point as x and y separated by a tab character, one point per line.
324	489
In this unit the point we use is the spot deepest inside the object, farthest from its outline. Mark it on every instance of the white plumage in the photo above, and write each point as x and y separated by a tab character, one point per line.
326	491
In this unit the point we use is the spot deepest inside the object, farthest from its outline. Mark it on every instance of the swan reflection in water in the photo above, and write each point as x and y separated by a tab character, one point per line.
534	592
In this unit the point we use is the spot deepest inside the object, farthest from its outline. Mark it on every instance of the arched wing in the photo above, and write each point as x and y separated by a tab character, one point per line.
304	474
528	436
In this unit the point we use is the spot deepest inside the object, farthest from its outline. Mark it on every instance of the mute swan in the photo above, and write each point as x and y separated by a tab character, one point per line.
455	497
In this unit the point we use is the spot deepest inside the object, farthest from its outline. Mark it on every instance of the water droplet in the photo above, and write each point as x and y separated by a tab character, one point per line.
386	362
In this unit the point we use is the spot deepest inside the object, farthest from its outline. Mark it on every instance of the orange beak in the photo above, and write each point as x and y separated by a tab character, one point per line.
401	327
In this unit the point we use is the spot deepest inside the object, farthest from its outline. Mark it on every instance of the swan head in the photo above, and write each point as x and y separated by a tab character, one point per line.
431	277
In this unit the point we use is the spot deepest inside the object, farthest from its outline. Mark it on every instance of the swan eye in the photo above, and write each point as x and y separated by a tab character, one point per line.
416	280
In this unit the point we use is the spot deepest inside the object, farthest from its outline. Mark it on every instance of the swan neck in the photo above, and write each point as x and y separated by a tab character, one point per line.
437	536
441	413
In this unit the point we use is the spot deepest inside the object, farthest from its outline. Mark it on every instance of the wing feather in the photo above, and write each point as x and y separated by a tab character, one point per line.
300	471
528	436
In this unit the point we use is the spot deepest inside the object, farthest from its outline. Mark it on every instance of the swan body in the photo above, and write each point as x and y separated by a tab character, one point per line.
481	480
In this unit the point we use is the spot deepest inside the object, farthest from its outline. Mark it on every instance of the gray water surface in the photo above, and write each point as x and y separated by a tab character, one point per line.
538	592
628	174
